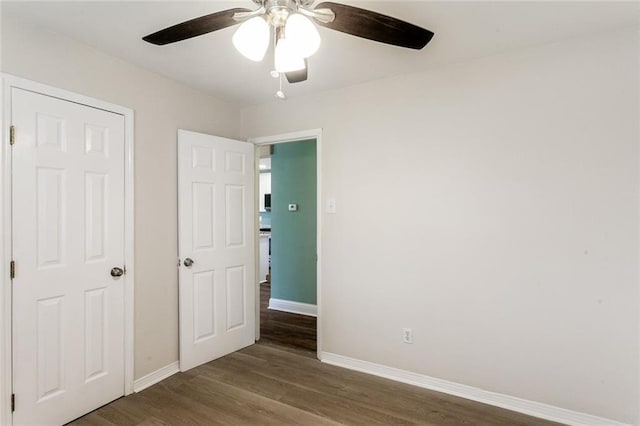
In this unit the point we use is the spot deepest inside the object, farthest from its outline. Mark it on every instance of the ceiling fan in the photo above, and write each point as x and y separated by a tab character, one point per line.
295	36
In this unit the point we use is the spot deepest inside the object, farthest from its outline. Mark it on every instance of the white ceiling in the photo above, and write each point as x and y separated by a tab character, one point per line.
463	30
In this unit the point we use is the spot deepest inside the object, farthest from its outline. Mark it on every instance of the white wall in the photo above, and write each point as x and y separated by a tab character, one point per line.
491	206
161	107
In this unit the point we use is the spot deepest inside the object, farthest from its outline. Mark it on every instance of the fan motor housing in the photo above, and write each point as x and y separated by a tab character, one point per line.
279	10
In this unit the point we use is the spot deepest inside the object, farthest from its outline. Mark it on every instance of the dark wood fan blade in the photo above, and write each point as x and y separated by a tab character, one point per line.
298	76
375	26
195	27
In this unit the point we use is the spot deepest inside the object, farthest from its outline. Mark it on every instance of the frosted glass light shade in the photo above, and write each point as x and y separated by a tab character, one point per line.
302	34
286	59
252	38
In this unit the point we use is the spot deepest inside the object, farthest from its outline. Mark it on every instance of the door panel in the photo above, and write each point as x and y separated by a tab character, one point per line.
95	333
234	216
204	216
50	221
216	215
68	232
236	302
49	348
204	305
96	204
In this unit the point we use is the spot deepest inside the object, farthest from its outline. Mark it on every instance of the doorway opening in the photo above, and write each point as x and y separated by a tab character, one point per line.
288	223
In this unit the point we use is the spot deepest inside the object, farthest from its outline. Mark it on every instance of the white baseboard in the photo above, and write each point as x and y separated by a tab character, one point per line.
157	376
293	307
524	406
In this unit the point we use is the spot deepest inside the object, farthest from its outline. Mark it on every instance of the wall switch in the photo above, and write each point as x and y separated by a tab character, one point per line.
331	205
293	207
407	335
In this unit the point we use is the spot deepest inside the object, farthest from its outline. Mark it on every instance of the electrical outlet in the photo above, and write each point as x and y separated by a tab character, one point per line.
407	335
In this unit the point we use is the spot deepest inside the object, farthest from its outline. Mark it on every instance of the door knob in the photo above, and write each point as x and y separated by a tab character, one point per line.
188	262
117	272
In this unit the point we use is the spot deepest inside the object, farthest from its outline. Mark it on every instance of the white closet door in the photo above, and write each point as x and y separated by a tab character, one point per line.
216	246
68	234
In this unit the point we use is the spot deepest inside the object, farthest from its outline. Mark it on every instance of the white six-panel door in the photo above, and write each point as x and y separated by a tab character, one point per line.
68	233
216	246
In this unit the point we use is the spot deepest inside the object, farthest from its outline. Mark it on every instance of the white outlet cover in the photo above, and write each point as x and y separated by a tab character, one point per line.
293	207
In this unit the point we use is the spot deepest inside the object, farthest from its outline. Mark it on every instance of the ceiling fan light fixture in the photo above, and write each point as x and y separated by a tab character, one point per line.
302	34
286	58
294	24
251	39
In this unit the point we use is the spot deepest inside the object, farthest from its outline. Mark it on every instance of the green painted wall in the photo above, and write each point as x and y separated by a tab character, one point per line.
293	234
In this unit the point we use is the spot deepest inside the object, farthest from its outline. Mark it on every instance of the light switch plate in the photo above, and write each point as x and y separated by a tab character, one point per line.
293	207
331	205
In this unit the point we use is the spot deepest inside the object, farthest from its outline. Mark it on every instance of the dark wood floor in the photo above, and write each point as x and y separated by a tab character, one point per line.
285	329
278	381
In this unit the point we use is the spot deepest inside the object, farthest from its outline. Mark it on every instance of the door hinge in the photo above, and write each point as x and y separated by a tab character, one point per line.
12	135
12	269
13	402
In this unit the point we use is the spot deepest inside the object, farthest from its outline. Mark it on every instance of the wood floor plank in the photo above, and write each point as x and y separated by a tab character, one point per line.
93	419
378	394
283	328
153	421
246	404
325	404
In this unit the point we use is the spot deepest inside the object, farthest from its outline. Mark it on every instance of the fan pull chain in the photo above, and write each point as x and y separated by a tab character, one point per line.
280	94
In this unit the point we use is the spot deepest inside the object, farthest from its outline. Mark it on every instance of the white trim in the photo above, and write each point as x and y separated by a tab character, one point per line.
256	243
638	233
532	408
129	244
287	137
293	137
33	86
293	307
157	376
9	81
6	372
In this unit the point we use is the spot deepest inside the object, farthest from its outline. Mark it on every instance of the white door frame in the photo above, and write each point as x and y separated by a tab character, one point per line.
9	82
284	138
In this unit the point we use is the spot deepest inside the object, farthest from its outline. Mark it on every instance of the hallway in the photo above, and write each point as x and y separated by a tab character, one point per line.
285	329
